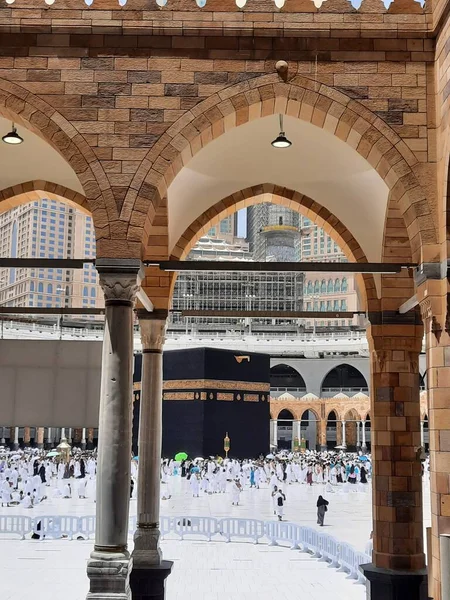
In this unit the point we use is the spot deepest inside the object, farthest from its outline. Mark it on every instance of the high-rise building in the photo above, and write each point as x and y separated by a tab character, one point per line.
48	229
225	227
278	233
316	244
51	229
273	233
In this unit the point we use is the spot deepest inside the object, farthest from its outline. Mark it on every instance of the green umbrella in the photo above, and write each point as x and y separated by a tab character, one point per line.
181	456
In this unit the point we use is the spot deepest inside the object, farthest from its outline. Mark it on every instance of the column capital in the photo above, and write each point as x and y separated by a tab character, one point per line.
120	279
153	329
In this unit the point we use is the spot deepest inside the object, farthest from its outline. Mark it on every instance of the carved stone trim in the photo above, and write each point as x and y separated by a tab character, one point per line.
153	333
447	316
120	279
119	288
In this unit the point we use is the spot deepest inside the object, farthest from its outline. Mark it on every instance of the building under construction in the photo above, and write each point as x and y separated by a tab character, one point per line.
272	235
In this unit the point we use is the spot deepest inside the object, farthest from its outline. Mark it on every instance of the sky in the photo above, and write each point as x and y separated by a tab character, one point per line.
242	223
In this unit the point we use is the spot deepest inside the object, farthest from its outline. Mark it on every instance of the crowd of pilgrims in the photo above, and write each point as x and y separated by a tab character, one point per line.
213	475
26	476
30	477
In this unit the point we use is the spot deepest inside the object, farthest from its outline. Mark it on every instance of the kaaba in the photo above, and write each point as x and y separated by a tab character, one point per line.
208	393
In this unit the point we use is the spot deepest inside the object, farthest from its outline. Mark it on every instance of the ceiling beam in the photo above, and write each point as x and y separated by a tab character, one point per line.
408	305
45	263
247	266
34	310
272	314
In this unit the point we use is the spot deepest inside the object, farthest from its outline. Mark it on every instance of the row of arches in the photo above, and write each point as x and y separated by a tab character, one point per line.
333	286
343	376
339	378
309	425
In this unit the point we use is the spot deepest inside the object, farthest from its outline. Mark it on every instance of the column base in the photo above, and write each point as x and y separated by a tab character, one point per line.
364	448
83	445
16	446
109	576
323	448
149	583
384	584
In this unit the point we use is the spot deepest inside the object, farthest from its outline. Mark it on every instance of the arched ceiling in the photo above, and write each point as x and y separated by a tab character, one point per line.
318	164
34	159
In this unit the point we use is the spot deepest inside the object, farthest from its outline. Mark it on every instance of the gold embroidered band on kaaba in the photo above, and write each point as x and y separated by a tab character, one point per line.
210	389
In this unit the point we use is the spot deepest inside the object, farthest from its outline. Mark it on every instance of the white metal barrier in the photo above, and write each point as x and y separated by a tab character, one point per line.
232	527
320	545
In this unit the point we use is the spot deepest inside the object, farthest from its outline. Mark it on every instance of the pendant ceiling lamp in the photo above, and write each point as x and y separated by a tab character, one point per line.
12	138
281	140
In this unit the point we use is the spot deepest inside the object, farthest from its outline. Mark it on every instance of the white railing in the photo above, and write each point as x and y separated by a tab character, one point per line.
323	546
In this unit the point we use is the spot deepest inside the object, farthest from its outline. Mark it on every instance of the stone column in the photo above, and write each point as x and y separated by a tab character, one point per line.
435	308
77	436
3	441
49	443
90	438
109	566
69	437
298	432
398	561
83	438
363	435
422	438
40	437
16	438
149	570
344	441
274	432
323	435
26	436
63	434
358	440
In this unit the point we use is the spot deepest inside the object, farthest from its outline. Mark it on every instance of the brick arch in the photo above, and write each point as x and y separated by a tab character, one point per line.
353	413
396	248
38	190
36	115
292	199
336	411
326	108
288	408
304	409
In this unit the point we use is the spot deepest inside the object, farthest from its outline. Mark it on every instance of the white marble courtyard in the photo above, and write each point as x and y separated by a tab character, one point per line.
202	570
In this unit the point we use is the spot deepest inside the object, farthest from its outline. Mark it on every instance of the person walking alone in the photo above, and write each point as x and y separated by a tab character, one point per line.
280	499
322	505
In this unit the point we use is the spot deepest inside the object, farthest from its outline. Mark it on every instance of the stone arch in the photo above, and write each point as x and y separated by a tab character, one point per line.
286	410
38	190
332	410
334	425
310	409
292	199
352	415
301	97
341	376
19	105
335	409
285	372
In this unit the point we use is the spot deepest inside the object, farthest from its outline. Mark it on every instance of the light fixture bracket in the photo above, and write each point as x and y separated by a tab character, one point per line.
12	138
281	141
